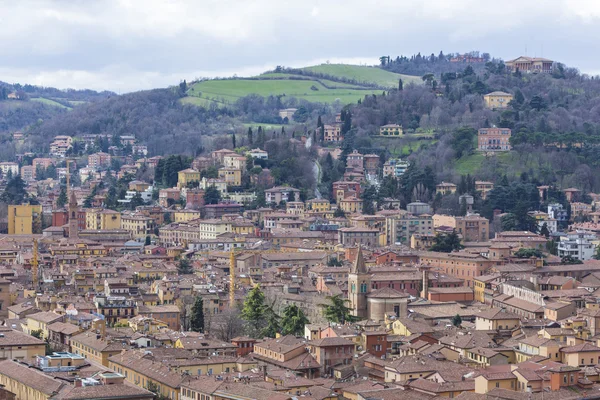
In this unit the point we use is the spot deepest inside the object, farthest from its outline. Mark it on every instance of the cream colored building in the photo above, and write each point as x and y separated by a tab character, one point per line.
211	228
497	99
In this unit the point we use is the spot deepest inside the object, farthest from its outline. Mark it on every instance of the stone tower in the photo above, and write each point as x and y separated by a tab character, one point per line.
359	286
73	223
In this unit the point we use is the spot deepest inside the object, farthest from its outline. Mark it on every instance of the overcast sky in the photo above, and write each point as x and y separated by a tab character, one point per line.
127	45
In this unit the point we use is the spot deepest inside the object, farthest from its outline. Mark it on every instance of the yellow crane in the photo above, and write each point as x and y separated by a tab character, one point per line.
34	266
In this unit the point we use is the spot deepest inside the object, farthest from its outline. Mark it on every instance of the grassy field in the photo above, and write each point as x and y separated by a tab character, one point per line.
49	102
228	91
223	92
364	74
472	163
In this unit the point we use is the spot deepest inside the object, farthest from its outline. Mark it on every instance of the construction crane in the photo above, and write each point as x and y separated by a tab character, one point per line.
232	277
34	266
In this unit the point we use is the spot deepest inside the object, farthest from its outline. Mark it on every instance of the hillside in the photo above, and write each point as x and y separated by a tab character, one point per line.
362	73
327	83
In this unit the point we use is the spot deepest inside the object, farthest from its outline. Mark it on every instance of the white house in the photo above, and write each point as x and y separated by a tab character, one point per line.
258	153
578	245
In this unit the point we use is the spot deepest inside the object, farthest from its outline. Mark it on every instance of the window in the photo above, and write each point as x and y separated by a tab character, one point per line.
497	384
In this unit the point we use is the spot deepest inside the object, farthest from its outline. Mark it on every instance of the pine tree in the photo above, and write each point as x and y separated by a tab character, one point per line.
319	122
148	241
253	311
456	320
400	85
250	135
62	198
197	317
273	326
233	140
185	267
293	321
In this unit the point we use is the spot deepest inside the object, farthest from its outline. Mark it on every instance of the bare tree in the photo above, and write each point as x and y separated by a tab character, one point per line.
227	325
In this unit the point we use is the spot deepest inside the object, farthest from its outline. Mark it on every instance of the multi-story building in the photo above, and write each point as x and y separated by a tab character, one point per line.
401	227
115	308
497	99
7	168
187	177
356	235
395	167
391	130
472	227
61	145
444	188
24	219
166	197
494	139
333	133
463	265
343	189
138	225
484	188
99	160
558	212
355	160
28	173
281	193
194	199
211	228
530	64
235	161
102	219
577	245
231	176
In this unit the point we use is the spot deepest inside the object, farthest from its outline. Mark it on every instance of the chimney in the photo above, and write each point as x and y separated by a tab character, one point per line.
78	383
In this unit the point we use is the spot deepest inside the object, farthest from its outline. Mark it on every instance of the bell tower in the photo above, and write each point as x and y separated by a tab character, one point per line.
73	223
359	286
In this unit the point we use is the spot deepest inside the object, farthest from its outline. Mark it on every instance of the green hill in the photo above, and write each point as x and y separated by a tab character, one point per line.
343	83
361	73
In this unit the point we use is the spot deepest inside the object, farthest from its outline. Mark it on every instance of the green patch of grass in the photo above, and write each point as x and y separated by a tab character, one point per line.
362	73
469	164
228	91
49	102
77	102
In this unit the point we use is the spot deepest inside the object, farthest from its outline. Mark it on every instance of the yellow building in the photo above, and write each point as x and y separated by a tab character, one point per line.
497	99
101	219
391	130
497	319
138	225
232	176
185	215
27	383
318	205
445	188
95	349
19	345
187	177
495	380
39	322
581	355
24	219
351	205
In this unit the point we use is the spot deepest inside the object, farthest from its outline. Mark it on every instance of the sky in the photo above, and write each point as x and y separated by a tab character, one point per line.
130	45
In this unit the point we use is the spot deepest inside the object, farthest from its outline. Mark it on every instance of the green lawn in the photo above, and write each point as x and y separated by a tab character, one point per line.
229	90
49	102
469	164
364	74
